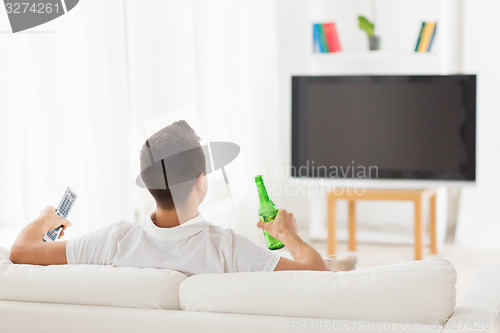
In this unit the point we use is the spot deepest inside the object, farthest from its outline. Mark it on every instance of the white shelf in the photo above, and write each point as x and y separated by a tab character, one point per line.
373	62
376	55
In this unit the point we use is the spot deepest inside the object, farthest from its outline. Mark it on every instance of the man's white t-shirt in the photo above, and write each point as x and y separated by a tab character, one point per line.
193	247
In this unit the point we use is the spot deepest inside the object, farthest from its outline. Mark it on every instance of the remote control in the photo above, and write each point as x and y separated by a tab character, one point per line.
63	210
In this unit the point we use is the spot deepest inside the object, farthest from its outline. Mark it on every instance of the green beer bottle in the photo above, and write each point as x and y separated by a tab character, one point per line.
267	213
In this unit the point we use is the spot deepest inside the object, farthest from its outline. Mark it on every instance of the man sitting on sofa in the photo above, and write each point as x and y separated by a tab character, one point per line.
174	236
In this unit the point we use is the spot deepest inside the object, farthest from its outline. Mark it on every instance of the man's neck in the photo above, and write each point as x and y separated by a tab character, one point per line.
172	218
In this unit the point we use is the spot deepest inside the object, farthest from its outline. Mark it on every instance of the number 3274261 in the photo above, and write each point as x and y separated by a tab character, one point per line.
32	8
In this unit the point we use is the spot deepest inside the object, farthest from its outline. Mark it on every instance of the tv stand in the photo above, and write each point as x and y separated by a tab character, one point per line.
351	195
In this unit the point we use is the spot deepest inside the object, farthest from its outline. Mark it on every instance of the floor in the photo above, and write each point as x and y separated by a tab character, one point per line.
466	261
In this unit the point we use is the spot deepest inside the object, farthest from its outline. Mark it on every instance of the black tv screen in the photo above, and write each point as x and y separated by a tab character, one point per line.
388	127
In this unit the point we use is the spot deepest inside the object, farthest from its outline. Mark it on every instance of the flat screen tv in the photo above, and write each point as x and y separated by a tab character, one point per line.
386	127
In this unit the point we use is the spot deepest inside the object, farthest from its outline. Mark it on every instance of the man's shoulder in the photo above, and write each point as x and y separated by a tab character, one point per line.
219	229
228	234
119	228
222	233
125	225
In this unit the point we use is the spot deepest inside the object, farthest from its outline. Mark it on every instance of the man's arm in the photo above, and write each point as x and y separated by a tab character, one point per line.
29	247
284	228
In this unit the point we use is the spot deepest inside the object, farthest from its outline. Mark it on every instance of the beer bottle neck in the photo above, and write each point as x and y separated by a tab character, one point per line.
261	190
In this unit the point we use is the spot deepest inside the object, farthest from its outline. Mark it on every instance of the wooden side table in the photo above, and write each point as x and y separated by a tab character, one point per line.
417	196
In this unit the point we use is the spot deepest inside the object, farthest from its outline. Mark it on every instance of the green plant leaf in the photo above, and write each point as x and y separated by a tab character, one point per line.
366	25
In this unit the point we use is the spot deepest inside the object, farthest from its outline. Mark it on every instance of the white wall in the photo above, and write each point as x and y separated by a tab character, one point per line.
479	215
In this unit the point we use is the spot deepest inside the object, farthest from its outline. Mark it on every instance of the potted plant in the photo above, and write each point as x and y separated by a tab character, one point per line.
369	28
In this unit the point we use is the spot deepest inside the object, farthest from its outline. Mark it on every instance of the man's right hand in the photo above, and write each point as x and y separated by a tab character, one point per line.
283	227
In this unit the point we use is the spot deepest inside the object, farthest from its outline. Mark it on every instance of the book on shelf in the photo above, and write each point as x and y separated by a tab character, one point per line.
326	38
426	37
316	38
332	37
322	38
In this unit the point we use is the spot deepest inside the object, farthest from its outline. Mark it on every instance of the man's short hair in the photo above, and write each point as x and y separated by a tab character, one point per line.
171	162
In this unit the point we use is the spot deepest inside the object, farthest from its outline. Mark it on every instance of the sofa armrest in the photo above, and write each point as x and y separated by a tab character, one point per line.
480	309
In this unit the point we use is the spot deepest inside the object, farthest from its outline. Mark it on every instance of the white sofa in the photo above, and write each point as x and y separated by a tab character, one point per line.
410	297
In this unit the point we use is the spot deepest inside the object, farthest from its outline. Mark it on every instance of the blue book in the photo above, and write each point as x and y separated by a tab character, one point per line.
420	36
317	38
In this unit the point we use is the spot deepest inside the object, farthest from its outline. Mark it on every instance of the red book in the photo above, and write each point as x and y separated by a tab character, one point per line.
332	37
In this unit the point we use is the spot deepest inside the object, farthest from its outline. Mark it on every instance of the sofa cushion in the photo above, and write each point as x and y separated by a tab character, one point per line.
421	291
90	285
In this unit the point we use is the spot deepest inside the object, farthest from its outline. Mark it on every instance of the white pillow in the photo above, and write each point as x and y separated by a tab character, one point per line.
420	291
91	285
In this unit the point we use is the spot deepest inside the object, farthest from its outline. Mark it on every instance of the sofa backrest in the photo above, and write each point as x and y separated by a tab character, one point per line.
90	285
420	291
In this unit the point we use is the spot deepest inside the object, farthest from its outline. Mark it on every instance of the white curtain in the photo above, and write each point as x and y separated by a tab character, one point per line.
71	97
64	118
